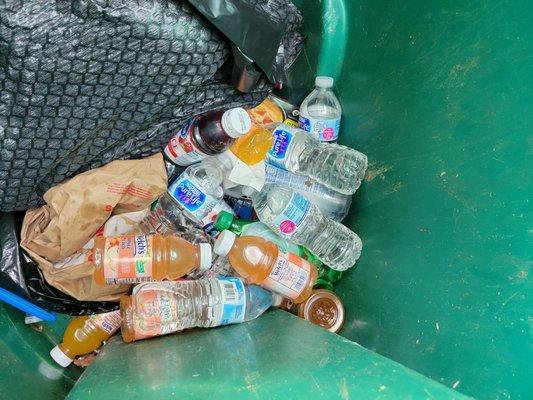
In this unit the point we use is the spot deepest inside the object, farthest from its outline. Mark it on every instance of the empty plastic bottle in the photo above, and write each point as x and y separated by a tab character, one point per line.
196	195
84	335
160	308
207	134
294	217
337	167
320	112
332	204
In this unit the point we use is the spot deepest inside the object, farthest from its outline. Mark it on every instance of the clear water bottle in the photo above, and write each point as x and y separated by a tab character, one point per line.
320	112
193	200
332	204
338	167
294	217
160	308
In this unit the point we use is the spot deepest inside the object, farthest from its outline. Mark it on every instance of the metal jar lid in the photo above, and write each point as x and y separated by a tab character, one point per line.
323	308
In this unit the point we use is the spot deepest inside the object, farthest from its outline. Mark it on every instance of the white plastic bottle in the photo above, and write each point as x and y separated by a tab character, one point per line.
338	167
294	217
193	199
332	204
160	308
320	112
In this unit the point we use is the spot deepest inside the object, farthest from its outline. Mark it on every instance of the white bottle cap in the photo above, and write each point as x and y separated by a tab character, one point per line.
224	243
236	122
276	299
324	82
59	357
206	256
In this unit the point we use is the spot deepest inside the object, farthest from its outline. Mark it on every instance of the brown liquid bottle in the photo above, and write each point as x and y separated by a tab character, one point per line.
146	258
261	262
207	134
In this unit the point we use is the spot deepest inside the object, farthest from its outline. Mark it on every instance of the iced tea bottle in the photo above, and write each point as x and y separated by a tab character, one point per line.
146	258
84	335
263	263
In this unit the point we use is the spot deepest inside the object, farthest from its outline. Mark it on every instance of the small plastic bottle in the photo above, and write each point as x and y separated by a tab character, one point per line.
320	112
146	258
207	134
338	167
295	218
263	263
160	308
84	335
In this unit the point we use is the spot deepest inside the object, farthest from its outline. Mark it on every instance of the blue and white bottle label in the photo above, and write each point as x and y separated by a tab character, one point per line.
278	153
233	300
325	130
291	218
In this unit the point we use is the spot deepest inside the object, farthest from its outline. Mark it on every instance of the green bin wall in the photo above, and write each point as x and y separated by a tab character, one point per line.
438	95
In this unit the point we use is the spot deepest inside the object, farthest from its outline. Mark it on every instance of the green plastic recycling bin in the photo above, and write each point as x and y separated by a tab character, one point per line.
438	95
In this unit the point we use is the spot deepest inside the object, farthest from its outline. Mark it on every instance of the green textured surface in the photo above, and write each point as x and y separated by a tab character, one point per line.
24	359
277	356
439	96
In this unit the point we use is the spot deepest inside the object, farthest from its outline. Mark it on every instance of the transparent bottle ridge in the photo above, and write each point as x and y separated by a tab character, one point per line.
332	204
262	262
207	134
160	308
295	218
337	167
320	112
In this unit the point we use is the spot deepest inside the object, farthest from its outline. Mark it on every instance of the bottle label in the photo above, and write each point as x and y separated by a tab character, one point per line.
278	153
292	217
202	206
181	149
290	275
325	130
128	259
233	301
108	322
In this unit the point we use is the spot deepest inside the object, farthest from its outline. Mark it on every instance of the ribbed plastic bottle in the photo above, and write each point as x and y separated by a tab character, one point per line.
294	217
338	167
160	308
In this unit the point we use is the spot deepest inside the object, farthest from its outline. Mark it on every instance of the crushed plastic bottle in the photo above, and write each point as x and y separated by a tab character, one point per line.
332	204
320	112
160	308
294	217
338	167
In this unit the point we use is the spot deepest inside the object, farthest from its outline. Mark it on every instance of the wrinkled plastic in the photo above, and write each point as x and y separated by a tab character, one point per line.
21	275
267	31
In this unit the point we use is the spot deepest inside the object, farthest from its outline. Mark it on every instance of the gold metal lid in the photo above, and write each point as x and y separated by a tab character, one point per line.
323	308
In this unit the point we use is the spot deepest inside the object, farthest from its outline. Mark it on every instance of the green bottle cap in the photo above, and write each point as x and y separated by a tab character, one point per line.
224	221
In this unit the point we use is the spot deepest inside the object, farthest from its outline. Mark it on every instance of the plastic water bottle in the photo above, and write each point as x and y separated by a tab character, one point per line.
294	217
332	204
320	112
160	308
193	199
338	167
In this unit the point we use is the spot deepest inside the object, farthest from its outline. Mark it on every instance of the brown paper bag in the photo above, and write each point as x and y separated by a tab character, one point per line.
58	236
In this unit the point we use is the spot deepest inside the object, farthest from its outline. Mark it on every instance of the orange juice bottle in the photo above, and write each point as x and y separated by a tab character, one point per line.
253	147
84	335
264	263
145	258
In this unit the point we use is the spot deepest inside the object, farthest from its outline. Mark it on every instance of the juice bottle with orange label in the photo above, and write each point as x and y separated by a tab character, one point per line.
84	335
253	147
262	262
146	258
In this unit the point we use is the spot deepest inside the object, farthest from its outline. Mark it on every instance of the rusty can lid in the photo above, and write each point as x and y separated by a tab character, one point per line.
323	308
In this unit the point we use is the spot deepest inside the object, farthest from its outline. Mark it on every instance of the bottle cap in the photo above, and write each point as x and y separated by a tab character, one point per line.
224	243
59	357
236	122
206	256
323	308
324	82
277	299
224	221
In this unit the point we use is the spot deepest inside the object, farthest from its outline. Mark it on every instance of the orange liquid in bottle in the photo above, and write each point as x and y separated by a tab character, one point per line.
84	335
144	258
261	262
